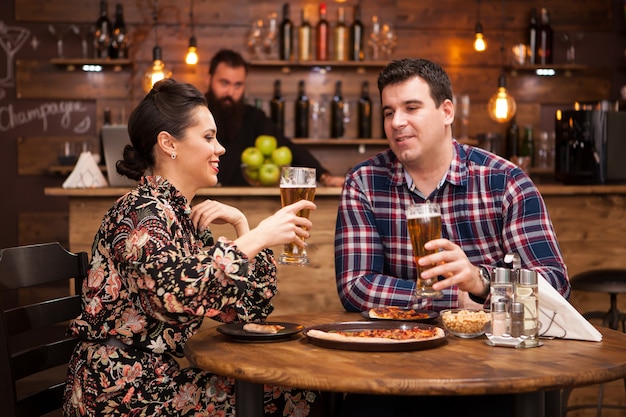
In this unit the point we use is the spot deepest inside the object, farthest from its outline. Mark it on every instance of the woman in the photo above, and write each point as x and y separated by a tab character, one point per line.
156	272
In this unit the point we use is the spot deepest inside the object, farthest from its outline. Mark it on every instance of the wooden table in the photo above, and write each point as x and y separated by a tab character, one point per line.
460	367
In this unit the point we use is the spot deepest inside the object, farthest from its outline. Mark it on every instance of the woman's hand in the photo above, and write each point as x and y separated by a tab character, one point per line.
284	226
210	211
451	263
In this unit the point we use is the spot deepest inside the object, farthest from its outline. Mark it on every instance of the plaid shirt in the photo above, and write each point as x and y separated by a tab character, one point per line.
489	206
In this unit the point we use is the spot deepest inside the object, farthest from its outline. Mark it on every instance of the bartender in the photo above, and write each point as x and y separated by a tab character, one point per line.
239	124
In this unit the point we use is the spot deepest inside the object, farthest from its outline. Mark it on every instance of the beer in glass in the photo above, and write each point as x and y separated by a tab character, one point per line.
424	223
296	183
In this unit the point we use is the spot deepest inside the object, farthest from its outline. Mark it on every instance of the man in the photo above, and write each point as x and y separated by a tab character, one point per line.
490	207
240	124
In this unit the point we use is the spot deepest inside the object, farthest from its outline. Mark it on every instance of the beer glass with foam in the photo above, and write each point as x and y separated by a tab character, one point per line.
424	223
296	183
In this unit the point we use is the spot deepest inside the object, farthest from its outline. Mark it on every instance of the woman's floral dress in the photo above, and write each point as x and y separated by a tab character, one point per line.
153	279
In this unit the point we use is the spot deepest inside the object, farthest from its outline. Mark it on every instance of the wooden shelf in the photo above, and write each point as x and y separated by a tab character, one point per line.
318	66
77	63
340	142
559	69
67	169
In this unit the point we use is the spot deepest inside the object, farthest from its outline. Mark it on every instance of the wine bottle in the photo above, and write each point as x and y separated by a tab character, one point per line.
336	113
321	36
305	33
545	38
105	122
340	37
527	145
356	50
277	108
532	38
119	42
102	32
302	112
365	112
512	140
286	36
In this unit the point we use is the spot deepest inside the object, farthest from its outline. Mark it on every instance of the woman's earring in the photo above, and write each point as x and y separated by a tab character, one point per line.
173	155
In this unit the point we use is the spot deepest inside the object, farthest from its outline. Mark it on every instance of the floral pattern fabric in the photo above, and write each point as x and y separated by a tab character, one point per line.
153	278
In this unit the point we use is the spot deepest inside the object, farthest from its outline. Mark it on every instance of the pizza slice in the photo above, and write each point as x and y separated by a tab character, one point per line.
380	335
262	328
396	313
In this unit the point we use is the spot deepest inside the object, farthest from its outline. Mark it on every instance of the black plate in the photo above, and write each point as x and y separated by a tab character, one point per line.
236	332
371	346
431	316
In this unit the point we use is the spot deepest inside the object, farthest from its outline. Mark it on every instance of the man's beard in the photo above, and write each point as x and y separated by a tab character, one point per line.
228	115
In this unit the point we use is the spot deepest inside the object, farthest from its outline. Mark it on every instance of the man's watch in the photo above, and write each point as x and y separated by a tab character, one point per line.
486	280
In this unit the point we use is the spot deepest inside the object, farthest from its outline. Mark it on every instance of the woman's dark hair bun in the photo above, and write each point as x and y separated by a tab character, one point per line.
132	165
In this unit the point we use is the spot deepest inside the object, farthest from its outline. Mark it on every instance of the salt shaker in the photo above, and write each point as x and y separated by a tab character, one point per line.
526	293
499	319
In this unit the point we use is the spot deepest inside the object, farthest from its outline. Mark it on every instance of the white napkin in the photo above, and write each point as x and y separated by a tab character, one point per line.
86	174
560	319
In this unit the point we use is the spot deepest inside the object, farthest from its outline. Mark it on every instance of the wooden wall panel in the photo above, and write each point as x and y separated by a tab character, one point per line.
41	227
36	155
35	79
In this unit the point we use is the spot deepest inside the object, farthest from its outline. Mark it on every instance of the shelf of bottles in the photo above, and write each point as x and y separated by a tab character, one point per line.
546	69
313	65
91	64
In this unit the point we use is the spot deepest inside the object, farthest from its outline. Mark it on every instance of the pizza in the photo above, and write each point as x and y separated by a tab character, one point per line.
396	313
262	328
394	335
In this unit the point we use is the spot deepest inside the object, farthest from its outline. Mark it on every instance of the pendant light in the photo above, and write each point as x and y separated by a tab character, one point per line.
192	52
479	43
158	71
501	105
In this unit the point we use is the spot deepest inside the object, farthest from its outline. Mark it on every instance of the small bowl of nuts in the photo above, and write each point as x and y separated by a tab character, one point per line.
465	323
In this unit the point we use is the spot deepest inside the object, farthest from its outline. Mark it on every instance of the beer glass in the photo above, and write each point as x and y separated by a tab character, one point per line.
424	223
296	183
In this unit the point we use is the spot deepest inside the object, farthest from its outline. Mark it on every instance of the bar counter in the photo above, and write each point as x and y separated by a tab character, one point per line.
590	222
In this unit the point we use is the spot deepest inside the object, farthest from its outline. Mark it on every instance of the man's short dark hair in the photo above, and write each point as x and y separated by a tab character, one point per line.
404	69
228	57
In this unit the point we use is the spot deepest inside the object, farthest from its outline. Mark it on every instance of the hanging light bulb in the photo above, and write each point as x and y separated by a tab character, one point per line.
501	106
158	71
192	53
479	43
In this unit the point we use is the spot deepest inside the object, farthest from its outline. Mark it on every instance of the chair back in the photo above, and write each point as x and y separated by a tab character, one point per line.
39	294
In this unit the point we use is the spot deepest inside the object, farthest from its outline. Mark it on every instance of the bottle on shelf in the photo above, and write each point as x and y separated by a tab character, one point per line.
105	122
527	147
285	36
321	35
119	41
277	108
301	112
356	49
305	38
545	38
532	37
365	112
102	32
336	113
340	37
512	140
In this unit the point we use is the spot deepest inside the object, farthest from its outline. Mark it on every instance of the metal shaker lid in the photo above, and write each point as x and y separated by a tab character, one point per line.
517	308
527	277
499	307
502	276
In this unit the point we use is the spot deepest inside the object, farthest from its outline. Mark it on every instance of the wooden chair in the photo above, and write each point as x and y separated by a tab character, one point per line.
34	350
611	282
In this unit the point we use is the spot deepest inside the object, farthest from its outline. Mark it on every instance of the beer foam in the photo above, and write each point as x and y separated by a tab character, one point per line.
297	185
422	215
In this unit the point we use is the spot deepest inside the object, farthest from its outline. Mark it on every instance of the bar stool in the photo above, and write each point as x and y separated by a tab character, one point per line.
612	282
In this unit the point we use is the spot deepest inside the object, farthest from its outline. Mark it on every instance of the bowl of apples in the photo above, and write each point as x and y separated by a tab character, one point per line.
261	164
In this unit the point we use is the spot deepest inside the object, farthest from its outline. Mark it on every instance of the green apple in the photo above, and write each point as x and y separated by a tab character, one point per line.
252	174
269	174
266	144
252	157
282	156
